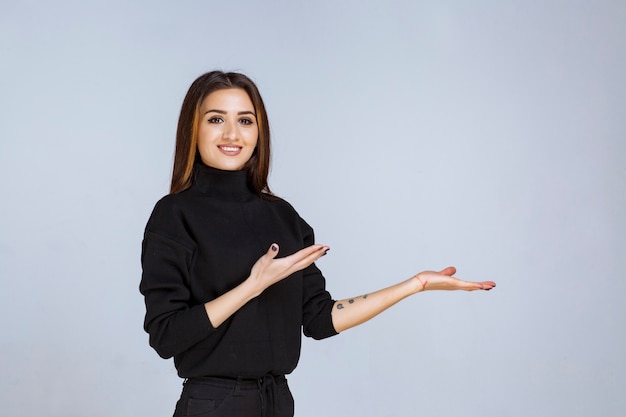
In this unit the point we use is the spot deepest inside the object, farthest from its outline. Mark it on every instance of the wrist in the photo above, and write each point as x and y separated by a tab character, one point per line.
251	288
419	283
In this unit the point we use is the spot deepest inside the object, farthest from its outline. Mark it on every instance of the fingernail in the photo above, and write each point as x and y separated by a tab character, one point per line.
325	252
274	248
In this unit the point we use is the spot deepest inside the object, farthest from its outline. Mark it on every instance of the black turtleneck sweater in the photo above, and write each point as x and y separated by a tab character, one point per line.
201	243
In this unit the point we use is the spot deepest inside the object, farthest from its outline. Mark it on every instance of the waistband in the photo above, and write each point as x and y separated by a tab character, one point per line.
266	386
240	382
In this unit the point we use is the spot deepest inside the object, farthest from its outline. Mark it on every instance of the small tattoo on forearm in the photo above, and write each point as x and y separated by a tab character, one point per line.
351	301
339	306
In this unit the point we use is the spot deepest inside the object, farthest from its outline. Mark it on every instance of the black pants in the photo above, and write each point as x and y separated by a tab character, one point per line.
221	397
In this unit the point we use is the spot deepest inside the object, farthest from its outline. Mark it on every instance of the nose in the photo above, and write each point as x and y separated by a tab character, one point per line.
231	131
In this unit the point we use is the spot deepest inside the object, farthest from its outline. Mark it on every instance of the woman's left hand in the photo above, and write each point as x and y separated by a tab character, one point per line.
444	280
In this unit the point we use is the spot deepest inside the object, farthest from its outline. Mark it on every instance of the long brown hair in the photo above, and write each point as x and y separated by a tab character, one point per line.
186	154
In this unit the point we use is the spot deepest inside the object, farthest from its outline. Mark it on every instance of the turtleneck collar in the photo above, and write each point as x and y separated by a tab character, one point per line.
222	184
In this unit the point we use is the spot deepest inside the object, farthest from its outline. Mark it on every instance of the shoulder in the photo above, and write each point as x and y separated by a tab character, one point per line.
288	211
279	204
171	205
168	217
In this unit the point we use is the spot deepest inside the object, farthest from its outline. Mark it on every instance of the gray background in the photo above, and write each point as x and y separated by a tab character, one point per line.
412	135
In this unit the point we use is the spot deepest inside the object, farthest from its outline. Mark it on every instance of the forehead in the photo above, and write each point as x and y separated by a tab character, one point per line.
228	99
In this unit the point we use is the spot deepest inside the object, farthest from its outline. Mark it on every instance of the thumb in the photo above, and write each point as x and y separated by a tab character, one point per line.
272	251
449	271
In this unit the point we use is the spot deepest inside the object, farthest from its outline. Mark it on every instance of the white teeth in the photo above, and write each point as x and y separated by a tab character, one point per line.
230	148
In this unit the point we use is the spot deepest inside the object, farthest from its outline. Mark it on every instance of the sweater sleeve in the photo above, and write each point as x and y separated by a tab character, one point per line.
173	323
317	303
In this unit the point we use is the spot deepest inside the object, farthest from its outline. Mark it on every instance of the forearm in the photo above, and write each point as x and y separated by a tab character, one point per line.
265	272
227	304
354	311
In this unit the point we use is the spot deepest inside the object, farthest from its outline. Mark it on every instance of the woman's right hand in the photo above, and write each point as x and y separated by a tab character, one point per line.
268	270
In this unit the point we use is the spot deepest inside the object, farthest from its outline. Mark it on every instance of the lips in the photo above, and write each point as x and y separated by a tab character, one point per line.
230	150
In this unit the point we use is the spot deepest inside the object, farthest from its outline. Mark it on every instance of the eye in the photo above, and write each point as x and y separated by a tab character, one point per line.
246	121
215	120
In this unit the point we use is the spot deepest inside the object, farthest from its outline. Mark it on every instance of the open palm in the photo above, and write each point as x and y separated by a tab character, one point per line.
444	280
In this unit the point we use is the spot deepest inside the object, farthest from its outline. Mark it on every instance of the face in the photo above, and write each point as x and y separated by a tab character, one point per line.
228	131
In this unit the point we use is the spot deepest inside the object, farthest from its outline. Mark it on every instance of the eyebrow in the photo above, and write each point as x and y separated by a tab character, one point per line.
224	112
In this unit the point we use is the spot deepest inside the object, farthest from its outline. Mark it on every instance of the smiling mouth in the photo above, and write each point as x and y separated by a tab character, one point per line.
230	150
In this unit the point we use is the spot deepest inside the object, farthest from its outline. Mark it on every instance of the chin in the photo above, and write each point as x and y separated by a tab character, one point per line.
224	166
229	167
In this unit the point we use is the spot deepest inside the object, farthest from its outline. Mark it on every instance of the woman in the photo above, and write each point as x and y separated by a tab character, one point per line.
229	278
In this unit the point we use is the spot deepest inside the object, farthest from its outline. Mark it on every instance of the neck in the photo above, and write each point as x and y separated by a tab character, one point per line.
222	184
